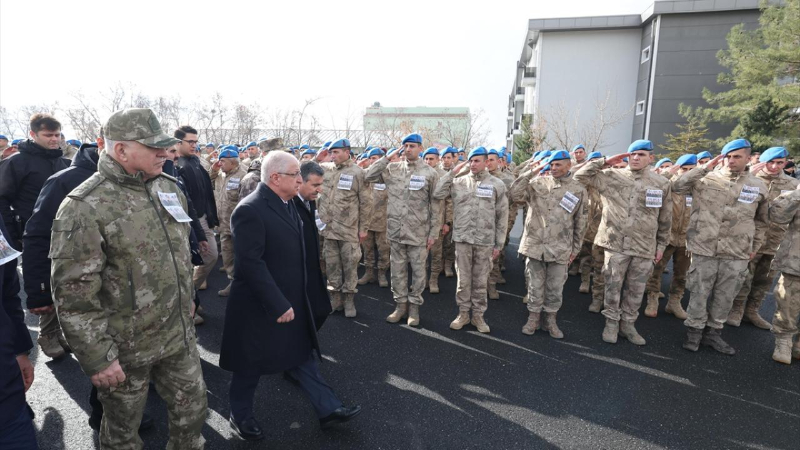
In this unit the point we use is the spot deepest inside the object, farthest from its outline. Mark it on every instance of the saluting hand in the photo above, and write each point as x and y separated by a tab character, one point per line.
755	168
322	156
287	317
458	167
111	376
713	163
616	159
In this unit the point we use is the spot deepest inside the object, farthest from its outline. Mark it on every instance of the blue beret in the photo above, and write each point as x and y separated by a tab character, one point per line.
641	144
544	169
493	152
210	145
391	151
229	151
687	160
705	154
375	152
662	161
361	156
3	136
303	147
479	151
447	150
413	138
503	149
508	157
74	142
327	144
773	153
309	152
735	144
430	151
594	155
625	159
541	156
341	143
558	155
461	150
16	141
578	146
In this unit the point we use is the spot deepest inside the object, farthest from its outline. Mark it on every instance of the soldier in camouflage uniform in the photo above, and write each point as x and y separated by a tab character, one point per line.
760	275
786	210
726	230
448	156
250	181
413	223
226	175
122	285
553	236
376	230
495	276
345	207
480	210
634	231
676	250
432	158
591	268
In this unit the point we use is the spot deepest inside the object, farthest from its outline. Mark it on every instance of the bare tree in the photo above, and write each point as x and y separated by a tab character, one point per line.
608	115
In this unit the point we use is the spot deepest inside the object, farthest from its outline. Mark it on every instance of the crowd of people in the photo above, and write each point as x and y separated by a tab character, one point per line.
116	243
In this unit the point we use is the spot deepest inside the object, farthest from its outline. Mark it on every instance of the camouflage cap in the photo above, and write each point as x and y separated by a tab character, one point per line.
140	125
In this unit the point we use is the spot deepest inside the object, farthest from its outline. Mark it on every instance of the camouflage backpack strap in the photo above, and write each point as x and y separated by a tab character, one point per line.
87	186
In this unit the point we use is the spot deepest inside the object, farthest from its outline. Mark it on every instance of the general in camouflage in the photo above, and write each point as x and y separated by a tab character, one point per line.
786	210
250	181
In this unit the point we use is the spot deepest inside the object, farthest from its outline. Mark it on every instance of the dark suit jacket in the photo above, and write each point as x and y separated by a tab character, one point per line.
270	278
317	286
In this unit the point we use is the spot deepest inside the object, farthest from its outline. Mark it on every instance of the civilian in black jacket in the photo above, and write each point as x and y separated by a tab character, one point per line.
22	176
16	370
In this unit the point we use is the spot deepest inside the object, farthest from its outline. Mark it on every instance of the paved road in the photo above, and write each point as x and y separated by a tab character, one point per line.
432	387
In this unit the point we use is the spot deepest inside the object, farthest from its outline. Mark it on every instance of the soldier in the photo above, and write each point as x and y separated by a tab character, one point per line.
308	155
227	175
662	166
676	250
376	230
480	218
703	157
413	225
250	153
553	236
393	155
726	230
432	159
760	275
786	210
578	154
345	208
72	148
122	285
448	157
634	231
495	276
591	263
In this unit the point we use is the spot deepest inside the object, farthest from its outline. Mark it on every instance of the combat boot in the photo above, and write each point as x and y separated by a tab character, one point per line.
198	319
382	281
573	269
400	311
369	276
796	349
336	301
349	305
611	331
532	324
478	322
751	315
628	331
50	346
525	299
551	326
713	338
203	286
413	315
433	285
585	283
492	291
674	307
596	306
227	291
500	280
693	337
652	304
661	295
448	269
735	316
783	350
222	269
460	321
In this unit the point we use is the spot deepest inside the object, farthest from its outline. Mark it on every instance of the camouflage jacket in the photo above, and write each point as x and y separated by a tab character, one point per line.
413	215
681	213
250	181
785	210
69	151
557	215
636	214
776	185
206	163
380	202
227	193
121	270
595	207
729	212
447	202
480	207
346	202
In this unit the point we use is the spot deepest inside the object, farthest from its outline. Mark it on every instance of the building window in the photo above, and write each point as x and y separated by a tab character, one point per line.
646	55
640	108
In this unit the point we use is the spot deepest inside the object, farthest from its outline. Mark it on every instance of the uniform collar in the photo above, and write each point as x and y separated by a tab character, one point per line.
114	172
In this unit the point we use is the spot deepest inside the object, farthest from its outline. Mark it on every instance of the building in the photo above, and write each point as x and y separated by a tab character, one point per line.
438	126
646	64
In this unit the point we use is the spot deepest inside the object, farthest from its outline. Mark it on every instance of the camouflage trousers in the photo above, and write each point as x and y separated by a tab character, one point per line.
49	325
625	277
680	266
584	258
472	269
437	256
226	242
787	299
719	279
758	281
322	256
341	264
376	239
179	381
545	285
402	256
209	259
598	281
449	249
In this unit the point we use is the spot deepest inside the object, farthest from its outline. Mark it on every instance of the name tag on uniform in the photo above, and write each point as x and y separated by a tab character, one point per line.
653	198
320	224
170	202
749	194
688	201
379	187
345	182
233	184
7	252
783	191
569	201
484	191
416	183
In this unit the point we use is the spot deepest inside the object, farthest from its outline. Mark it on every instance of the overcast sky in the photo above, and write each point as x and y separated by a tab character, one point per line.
349	53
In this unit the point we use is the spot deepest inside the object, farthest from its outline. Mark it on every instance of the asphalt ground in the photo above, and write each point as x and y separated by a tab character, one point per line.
432	387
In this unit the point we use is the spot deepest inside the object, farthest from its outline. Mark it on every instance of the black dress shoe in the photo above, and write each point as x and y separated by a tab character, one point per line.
247	429
341	415
96	419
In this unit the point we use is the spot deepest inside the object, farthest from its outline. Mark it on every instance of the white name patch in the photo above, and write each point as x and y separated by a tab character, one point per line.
653	198
416	183
484	191
569	201
345	182
749	194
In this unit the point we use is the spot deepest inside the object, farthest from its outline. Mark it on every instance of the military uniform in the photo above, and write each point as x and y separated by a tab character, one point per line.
345	207
376	237
591	263
413	217
227	193
437	251
495	276
122	285
250	181
480	218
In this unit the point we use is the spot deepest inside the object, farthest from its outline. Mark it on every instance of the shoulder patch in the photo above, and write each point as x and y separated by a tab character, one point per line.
169	177
87	186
